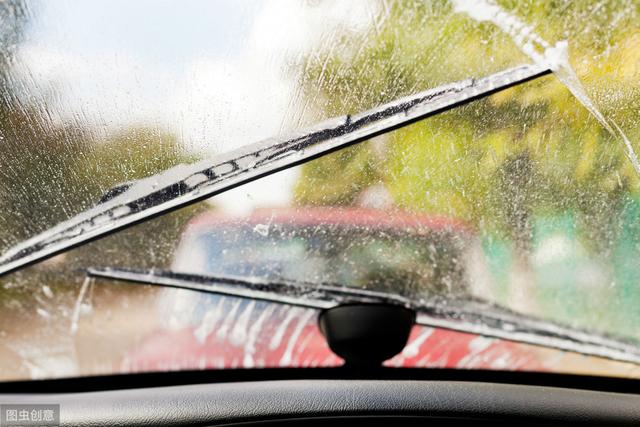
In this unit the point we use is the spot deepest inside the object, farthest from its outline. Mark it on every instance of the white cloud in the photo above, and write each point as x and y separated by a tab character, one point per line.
215	103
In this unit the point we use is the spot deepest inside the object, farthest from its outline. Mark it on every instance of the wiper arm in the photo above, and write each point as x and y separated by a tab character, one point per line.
463	315
183	185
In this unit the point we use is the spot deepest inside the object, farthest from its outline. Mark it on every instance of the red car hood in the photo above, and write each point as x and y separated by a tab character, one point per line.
299	343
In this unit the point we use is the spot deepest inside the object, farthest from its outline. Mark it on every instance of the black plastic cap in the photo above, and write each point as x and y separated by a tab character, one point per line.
366	334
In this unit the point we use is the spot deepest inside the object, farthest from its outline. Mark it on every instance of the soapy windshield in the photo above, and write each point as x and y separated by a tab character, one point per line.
538	184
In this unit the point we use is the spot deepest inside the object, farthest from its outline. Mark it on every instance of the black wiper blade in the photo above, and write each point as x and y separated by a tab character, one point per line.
183	185
463	315
310	295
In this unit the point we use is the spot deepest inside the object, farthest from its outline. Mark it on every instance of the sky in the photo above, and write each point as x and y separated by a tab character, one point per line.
219	74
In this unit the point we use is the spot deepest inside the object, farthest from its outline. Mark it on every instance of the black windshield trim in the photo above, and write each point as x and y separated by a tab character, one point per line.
135	380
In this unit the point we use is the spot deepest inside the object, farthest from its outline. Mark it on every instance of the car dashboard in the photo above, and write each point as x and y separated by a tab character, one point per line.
320	402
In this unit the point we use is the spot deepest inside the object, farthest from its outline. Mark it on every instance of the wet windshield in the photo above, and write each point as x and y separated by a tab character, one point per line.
357	247
527	199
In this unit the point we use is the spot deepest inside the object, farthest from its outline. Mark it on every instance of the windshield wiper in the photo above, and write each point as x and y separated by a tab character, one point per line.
141	200
468	315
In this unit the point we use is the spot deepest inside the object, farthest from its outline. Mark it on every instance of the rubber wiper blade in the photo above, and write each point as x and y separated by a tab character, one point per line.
183	185
310	295
463	315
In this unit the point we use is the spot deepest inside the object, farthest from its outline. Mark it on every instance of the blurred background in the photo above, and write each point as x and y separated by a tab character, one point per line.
93	94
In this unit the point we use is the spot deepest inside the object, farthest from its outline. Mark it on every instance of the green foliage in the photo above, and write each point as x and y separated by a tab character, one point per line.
511	164
134	154
455	164
51	170
356	169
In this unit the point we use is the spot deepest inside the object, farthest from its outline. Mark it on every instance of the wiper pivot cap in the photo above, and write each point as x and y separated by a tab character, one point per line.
365	335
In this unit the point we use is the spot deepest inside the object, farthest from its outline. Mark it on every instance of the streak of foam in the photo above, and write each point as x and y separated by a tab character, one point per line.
239	332
541	52
413	348
75	316
287	357
253	335
228	320
475	349
276	340
209	322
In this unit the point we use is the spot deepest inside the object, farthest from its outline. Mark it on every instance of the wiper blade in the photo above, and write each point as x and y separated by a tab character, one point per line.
297	293
463	315
183	185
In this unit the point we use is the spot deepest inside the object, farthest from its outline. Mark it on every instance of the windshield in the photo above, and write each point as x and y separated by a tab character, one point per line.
336	246
527	199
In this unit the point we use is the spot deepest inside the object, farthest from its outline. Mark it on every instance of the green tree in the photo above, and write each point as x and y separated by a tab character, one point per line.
499	163
52	169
